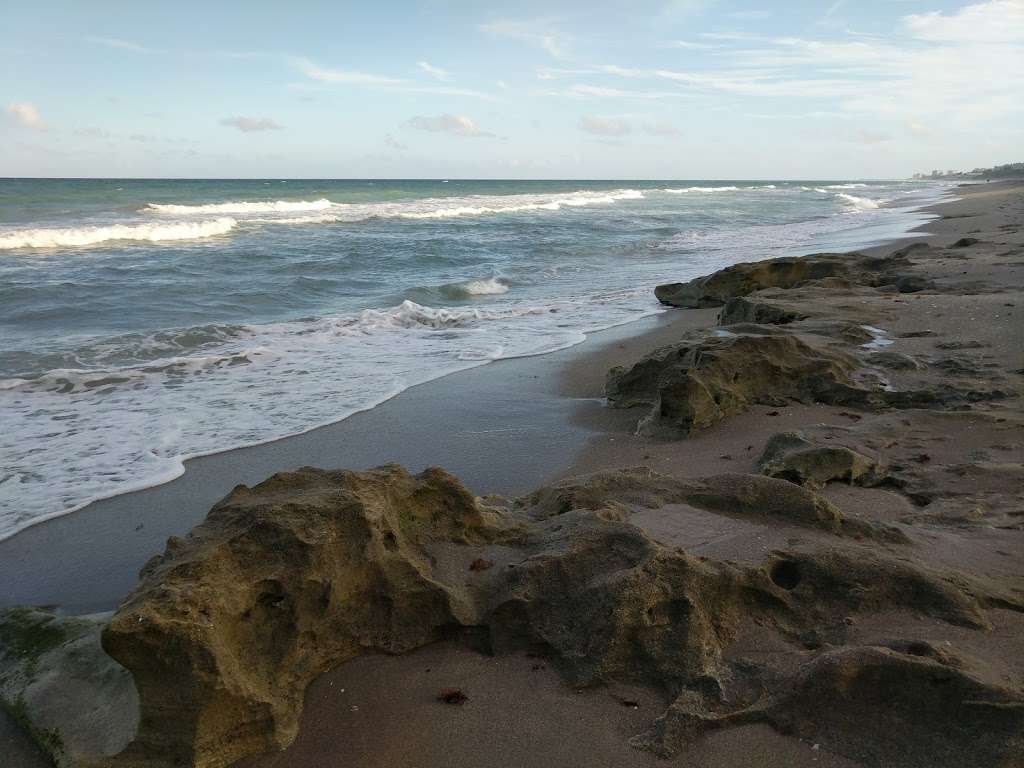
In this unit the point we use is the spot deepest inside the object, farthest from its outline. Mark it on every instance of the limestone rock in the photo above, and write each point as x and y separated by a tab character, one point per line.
790	456
959	718
700	381
76	703
280	583
733	494
309	569
743	279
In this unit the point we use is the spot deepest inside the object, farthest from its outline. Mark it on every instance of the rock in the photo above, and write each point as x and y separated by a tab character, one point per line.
912	284
958	717
280	583
309	569
790	456
733	494
965	242
740	309
895	361
738	280
55	680
742	279
700	381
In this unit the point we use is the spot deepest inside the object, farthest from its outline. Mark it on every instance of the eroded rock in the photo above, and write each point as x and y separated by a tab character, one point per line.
280	583
78	705
788	272
791	456
309	569
700	381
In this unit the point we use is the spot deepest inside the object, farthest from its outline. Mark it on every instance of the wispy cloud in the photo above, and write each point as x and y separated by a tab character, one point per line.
457	125
435	72
537	33
605	126
352	77
392	143
251	124
1000	21
26	114
115	42
324	76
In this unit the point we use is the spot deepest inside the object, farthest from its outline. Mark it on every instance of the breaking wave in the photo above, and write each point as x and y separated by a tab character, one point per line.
270	206
85	236
860	203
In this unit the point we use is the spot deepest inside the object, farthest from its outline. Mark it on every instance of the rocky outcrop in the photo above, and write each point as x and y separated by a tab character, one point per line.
280	583
704	379
309	569
791	456
76	703
743	279
739	495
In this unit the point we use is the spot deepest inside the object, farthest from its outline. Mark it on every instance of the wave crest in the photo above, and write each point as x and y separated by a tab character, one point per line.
860	203
267	206
84	236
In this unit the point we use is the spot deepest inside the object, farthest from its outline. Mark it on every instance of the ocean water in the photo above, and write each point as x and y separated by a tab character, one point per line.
145	322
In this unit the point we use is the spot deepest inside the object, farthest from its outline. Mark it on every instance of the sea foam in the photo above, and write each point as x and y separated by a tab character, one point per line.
85	236
242	207
860	203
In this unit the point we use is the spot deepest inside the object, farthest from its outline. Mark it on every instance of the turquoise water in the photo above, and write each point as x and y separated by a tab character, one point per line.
144	322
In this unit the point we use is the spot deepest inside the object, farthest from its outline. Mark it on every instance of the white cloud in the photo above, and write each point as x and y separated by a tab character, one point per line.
26	114
435	72
457	125
536	33
392	143
605	126
251	124
124	45
999	21
351	77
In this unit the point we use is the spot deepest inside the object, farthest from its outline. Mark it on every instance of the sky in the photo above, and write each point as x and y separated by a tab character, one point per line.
682	89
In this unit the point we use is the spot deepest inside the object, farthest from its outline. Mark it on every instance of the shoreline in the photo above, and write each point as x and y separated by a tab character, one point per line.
140	520
769	587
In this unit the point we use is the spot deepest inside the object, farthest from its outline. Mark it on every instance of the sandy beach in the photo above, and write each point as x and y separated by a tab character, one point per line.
519	712
928	407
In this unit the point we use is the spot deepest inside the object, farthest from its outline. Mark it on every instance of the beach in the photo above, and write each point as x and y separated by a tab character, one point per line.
931	496
977	315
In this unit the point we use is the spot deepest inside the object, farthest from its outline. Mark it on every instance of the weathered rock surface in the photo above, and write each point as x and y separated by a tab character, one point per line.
281	582
73	700
743	279
704	379
737	495
791	456
309	569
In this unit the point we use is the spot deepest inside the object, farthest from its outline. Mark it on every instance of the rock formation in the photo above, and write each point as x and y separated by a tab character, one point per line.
743	279
308	569
704	379
77	704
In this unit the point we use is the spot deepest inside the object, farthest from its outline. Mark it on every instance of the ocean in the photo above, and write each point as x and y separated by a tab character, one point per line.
145	322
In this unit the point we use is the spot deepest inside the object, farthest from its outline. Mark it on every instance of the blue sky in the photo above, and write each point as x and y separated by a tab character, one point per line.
670	89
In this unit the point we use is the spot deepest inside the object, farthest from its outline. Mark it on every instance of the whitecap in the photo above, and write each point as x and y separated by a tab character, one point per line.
84	236
241	207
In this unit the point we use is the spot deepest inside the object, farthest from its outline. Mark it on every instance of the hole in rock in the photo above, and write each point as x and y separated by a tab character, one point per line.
785	574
